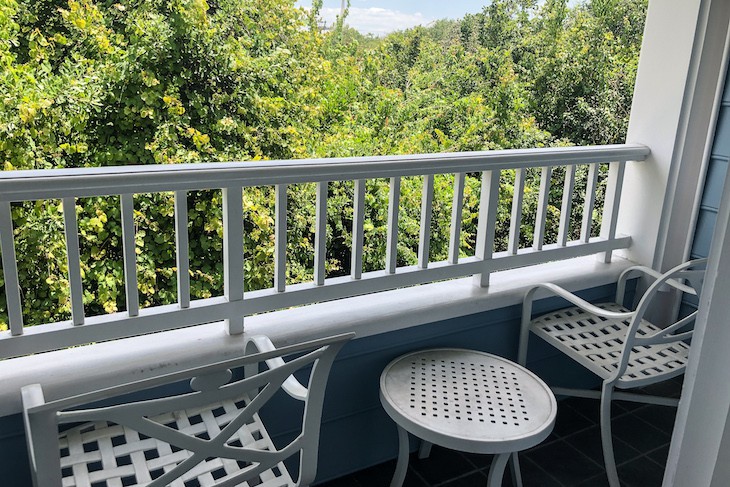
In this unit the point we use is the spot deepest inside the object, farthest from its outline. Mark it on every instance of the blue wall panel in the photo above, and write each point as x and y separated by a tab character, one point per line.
715	179
703	233
714	184
13	452
721	145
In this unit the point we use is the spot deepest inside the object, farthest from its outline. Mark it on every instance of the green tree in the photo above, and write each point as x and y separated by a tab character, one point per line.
91	83
583	72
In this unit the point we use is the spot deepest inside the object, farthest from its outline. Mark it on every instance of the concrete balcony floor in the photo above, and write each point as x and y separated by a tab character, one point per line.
570	457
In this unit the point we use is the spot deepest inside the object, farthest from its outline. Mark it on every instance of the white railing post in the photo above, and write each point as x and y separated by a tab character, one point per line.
516	217
233	253
591	185
609	222
280	239
182	247
542	207
391	246
320	234
358	222
457	208
130	253
567	205
73	258
10	270
424	236
488	202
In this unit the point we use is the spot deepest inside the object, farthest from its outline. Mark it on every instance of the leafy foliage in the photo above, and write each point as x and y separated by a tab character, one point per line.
99	83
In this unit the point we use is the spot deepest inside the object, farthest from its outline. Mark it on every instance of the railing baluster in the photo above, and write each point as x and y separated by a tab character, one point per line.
614	184
424	239
516	217
73	258
280	239
585	228
456	211
182	249
391	248
10	270
233	252
567	205
320	235
542	207
358	221
130	254
488	203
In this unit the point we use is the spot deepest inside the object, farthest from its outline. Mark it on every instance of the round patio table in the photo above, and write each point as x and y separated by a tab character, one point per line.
468	401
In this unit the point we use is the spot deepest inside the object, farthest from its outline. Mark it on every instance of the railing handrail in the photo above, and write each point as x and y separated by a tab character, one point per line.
103	181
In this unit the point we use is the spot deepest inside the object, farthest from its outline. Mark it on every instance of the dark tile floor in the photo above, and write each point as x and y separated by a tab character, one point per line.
571	456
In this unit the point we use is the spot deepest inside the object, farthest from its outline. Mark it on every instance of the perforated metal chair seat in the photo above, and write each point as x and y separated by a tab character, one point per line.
102	453
597	343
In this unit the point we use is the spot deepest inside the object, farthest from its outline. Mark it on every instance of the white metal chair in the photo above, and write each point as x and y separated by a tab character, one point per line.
209	435
617	344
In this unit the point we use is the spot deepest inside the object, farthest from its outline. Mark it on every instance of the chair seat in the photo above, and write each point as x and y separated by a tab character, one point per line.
597	343
107	454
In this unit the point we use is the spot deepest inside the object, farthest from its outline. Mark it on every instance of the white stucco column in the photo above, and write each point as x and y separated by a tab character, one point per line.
672	113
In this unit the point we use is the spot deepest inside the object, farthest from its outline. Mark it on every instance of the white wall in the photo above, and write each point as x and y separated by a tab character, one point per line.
671	113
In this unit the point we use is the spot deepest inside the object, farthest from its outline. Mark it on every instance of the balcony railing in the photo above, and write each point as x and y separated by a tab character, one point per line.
70	184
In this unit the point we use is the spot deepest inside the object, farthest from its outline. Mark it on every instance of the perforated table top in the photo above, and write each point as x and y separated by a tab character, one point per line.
468	400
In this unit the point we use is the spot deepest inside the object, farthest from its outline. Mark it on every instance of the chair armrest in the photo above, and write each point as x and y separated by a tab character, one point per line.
41	431
651	273
572	298
291	385
568	296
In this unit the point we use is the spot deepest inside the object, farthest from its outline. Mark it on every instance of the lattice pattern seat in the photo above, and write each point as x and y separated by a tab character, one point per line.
597	343
210	434
103	453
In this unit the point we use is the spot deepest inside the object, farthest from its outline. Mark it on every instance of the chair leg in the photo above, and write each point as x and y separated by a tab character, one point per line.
606	439
401	466
522	345
515	467
496	470
424	450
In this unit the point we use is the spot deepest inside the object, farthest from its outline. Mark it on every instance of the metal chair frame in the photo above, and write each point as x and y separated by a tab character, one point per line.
212	435
617	344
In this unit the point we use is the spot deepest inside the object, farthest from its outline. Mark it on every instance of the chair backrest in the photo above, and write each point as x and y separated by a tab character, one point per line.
212	425
687	278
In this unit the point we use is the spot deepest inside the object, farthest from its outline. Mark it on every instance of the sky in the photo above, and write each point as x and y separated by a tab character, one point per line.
380	17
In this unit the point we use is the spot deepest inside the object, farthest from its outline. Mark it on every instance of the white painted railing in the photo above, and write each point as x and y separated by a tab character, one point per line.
70	184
